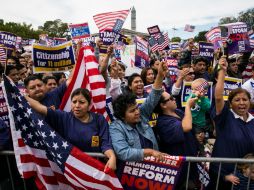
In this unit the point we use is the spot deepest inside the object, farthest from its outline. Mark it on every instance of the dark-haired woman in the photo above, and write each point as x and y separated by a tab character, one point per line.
132	137
82	128
234	129
147	75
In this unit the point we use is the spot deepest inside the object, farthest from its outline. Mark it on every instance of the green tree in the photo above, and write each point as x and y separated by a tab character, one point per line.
55	28
23	30
200	36
247	17
176	39
226	20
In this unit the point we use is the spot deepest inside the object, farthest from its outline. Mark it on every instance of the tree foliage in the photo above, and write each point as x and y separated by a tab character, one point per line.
175	39
200	37
55	28
23	30
226	20
247	17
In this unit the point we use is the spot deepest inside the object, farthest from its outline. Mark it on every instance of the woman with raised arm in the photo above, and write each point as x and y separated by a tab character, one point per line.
234	129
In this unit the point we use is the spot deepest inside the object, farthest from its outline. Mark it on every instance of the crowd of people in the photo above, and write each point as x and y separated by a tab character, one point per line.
204	127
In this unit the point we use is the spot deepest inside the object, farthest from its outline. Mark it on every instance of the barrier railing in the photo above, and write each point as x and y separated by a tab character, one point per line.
189	160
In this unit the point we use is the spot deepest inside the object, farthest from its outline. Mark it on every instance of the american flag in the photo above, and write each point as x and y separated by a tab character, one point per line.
251	38
203	87
3	55
153	42
87	75
189	28
164	42
111	20
41	153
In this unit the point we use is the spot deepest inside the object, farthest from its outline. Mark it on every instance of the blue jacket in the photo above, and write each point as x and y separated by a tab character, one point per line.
125	139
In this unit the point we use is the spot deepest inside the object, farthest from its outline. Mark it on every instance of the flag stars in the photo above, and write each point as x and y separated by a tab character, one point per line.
19	118
13	95
55	146
30	136
43	134
29	111
24	127
65	144
59	156
36	143
52	134
40	123
12	108
20	105
26	115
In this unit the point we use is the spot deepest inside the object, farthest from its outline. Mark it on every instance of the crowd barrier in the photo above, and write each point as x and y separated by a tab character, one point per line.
189	160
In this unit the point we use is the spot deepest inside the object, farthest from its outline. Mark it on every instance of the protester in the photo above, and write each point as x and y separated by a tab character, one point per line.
234	128
199	65
147	76
35	89
82	128
12	72
132	137
22	72
50	83
245	171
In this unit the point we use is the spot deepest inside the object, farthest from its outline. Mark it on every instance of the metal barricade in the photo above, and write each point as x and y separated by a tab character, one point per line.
189	160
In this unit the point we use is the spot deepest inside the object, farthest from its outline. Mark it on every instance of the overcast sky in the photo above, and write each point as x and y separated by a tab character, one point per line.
166	13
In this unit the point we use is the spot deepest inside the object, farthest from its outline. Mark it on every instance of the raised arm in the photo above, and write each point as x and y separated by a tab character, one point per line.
37	106
219	89
177	85
187	119
162	71
104	64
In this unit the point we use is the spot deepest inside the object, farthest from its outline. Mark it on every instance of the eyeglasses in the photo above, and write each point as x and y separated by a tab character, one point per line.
171	98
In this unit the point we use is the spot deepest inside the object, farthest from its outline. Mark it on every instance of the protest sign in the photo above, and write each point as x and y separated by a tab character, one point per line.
186	92
107	38
3	108
175	46
153	30
53	59
109	108
206	50
142	56
172	64
238	39
149	174
8	39
229	85
79	30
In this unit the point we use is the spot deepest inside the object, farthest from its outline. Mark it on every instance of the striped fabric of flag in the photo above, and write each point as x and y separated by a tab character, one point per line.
165	43
42	153
86	75
153	42
3	55
107	21
189	28
251	38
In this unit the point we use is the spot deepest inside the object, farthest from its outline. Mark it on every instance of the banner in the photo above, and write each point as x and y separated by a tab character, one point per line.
175	46
142	56
88	41
154	30
172	64
53	59
107	38
8	39
238	40
229	85
79	30
186	92
59	41
206	50
149	174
